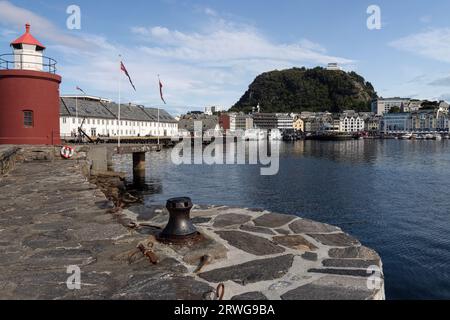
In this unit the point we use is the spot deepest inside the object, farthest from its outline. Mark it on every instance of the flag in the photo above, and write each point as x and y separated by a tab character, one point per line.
79	89
122	67
160	90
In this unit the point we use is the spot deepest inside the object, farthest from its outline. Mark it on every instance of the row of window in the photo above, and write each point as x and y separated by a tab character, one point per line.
116	122
94	132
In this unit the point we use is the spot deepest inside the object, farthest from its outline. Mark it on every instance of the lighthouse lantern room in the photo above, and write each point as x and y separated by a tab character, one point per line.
28	52
29	94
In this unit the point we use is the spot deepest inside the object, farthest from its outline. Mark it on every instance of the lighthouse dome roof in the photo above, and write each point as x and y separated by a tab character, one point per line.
27	38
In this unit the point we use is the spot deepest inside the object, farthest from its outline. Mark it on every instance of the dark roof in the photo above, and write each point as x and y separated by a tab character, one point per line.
86	108
208	123
109	110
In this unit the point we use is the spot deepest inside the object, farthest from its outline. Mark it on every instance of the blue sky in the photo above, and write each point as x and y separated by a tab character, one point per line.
208	52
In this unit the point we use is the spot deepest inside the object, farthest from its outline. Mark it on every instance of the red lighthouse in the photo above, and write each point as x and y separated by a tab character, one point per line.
29	94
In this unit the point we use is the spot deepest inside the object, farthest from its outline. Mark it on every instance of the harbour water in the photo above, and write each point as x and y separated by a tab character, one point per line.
390	194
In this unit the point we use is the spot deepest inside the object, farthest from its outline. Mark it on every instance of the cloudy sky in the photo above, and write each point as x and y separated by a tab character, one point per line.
208	52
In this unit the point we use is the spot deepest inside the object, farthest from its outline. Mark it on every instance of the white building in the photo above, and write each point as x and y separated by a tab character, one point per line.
281	121
209	111
99	117
333	67
381	106
350	124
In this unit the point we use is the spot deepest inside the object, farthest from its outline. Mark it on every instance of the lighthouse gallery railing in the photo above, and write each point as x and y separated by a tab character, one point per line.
23	61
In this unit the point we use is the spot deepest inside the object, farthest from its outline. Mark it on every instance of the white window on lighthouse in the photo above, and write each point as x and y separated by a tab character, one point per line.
28	52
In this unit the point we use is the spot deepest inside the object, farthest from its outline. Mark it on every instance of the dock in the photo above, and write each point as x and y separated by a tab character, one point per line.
54	221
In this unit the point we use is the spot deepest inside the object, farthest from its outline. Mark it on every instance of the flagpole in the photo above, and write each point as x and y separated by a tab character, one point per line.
118	121
76	114
159	84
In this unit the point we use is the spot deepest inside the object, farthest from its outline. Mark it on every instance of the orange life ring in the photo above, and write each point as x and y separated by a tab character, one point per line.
67	152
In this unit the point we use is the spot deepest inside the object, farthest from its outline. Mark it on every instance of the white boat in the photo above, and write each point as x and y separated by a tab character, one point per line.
254	135
429	136
438	137
406	136
276	135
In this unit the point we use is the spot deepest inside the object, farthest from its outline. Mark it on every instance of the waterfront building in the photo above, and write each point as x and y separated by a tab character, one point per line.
224	121
314	124
284	121
99	117
429	120
29	94
396	122
350	123
381	106
240	121
372	124
268	121
299	124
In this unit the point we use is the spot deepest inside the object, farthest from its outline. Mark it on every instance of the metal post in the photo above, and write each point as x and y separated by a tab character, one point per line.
180	227
118	122
158	126
139	168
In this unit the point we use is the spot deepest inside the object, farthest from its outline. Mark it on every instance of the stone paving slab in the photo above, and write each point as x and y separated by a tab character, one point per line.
52	217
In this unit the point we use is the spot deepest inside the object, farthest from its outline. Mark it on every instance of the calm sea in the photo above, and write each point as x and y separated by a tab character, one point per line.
392	195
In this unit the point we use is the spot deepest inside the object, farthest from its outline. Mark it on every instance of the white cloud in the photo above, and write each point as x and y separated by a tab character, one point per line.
213	66
15	16
227	44
210	12
433	44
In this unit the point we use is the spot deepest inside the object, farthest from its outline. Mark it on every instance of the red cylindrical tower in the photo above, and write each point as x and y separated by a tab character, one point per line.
29	95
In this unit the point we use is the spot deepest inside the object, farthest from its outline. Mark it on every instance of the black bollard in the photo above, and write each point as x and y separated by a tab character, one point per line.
180	226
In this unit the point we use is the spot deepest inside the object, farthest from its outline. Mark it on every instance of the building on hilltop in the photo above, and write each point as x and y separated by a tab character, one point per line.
99	117
334	67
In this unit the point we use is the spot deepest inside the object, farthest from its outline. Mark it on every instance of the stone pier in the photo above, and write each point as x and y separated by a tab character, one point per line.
52	218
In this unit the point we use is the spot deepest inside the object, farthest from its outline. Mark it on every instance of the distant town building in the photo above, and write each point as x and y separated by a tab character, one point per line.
413	105
299	124
396	122
212	110
186	125
224	121
381	106
372	124
350	123
268	121
99	117
333	67
240	121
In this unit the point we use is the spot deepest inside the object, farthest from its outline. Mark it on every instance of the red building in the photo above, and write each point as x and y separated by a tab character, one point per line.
224	121
29	94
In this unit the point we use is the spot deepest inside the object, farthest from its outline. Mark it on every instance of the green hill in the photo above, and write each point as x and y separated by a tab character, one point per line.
301	89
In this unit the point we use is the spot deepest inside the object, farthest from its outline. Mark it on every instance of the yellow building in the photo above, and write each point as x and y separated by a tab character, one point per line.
299	125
